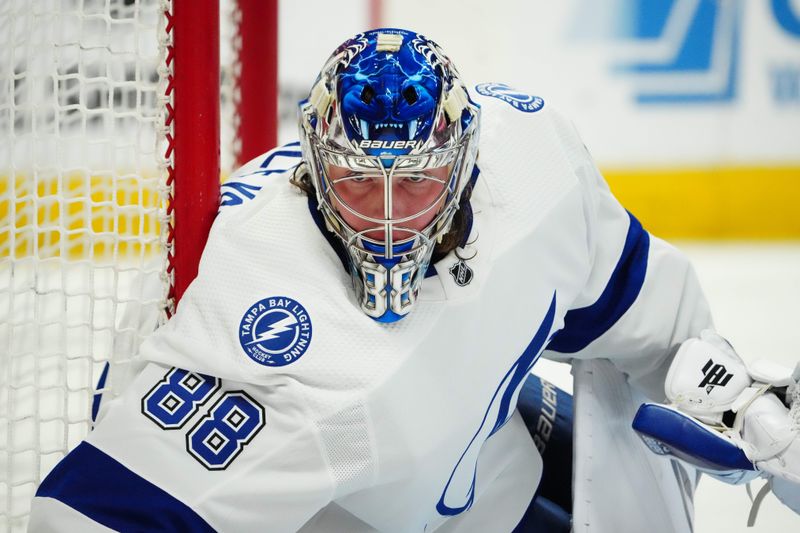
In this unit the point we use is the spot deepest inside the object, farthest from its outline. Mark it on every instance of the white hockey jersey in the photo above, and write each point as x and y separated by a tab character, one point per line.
270	402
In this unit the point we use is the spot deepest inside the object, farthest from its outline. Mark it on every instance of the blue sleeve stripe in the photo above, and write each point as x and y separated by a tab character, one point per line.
582	326
99	487
98	396
285	153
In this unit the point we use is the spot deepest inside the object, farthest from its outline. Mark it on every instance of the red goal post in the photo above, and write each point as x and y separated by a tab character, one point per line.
111	143
196	85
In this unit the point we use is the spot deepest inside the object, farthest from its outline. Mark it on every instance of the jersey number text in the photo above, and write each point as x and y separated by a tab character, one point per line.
225	428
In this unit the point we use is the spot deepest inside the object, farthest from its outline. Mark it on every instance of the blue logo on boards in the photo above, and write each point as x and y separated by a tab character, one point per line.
521	101
788	17
275	331
672	51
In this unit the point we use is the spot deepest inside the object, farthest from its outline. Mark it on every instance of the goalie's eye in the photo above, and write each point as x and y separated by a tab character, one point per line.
410	94
367	94
359	178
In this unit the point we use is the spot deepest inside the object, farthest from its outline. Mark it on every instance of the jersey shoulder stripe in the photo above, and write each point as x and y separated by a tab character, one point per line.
99	487
584	325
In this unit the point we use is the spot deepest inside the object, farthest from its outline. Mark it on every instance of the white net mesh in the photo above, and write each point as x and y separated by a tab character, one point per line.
83	202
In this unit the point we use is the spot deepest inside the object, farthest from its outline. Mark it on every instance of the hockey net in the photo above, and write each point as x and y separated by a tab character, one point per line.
96	242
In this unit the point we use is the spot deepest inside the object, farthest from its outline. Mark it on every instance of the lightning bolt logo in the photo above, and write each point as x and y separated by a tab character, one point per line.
275	331
272	332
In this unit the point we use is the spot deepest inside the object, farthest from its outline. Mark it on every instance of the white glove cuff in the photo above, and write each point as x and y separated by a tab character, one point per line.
706	378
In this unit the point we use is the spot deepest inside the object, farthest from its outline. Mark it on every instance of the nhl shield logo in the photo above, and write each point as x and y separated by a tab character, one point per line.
462	274
275	331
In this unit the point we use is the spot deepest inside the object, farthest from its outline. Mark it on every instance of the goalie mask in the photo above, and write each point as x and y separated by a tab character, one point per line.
390	137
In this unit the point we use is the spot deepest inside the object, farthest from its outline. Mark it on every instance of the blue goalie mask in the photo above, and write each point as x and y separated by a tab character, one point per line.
390	137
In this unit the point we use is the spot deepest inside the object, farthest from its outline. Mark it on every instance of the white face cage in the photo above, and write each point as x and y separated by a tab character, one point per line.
388	254
396	225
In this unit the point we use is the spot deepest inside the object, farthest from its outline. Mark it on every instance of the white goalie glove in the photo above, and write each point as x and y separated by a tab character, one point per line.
731	420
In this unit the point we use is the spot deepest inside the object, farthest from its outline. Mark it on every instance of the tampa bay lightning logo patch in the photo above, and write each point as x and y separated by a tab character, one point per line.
518	100
275	331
